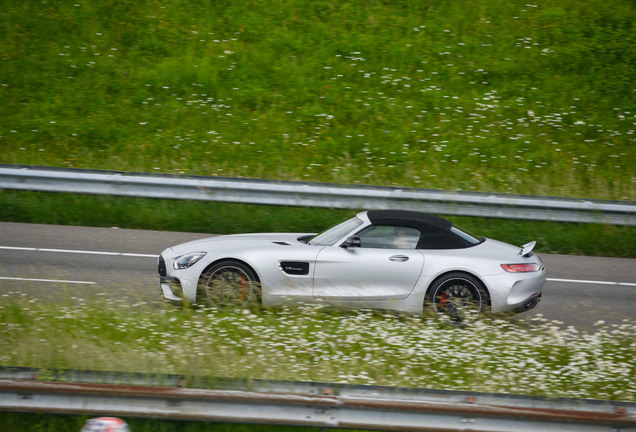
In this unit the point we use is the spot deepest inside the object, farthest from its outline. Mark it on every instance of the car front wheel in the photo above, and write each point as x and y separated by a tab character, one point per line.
230	284
458	298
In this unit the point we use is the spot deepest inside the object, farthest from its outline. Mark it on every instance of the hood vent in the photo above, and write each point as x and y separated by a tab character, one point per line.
282	243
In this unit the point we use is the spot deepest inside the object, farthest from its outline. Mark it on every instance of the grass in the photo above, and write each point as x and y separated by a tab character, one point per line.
487	96
510	97
21	422
497	97
211	217
313	344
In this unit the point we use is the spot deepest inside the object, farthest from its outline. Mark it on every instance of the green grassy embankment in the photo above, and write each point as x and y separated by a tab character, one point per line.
510	97
497	97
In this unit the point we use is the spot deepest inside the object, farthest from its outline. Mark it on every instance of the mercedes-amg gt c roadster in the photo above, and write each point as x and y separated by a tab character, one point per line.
380	259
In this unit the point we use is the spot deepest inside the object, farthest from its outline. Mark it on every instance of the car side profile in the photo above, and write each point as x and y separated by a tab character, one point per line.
381	259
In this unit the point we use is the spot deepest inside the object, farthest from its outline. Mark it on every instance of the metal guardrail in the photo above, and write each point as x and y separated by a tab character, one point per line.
307	404
268	192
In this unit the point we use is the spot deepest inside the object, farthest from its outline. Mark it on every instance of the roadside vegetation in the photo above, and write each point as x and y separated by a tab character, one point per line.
487	96
516	97
215	218
539	357
21	422
510	97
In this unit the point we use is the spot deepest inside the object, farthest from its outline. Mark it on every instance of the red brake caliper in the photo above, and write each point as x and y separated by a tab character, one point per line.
443	299
243	288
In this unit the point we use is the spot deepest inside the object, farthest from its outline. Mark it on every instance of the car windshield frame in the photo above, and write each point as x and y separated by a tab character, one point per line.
330	236
467	236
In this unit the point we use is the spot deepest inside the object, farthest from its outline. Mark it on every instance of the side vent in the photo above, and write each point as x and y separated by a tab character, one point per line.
295	268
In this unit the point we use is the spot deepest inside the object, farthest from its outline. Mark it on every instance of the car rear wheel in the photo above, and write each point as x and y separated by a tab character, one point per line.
230	284
458	298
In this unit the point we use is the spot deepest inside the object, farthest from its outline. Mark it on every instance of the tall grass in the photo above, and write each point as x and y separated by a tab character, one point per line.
481	95
314	344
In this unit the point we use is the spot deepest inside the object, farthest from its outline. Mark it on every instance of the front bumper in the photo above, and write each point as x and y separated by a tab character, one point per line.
171	289
178	286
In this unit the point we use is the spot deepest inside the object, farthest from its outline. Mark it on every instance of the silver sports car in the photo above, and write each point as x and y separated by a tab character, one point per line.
381	259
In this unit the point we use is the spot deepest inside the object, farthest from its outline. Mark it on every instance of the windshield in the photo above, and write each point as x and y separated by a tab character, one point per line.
332	235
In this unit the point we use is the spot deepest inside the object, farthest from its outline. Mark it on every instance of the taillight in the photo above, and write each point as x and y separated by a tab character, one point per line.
521	268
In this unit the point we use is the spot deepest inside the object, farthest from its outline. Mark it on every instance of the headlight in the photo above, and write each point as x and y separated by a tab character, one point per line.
187	260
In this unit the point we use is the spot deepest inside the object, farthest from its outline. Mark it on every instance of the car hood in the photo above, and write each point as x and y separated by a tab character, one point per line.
257	238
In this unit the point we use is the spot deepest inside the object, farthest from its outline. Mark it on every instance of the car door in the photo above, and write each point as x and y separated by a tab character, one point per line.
383	268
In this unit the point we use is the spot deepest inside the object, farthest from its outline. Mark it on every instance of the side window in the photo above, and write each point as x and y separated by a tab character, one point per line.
389	237
442	240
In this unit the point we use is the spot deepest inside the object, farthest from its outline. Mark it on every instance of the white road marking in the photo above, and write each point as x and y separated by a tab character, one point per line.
79	252
124	254
591	282
48	280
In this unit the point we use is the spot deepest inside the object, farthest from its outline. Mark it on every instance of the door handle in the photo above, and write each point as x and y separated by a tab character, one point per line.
399	258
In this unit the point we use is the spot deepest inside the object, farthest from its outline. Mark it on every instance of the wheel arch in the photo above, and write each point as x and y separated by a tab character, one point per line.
231	260
199	293
483	286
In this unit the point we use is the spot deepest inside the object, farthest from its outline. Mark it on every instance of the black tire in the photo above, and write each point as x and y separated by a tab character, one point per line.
458	298
230	284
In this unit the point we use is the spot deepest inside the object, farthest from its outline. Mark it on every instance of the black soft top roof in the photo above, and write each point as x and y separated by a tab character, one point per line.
423	221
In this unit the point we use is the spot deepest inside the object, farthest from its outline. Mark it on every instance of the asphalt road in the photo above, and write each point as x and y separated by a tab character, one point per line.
50	261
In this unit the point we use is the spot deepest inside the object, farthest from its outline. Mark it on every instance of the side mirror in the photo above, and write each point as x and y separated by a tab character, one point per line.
353	241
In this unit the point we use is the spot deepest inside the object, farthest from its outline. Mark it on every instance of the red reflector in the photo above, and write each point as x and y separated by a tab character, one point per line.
521	268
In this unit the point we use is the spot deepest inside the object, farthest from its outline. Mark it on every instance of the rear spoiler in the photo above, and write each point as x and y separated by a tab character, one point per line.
526	249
